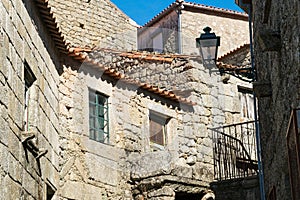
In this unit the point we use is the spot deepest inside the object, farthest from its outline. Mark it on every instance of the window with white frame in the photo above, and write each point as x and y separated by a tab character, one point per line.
29	79
98	117
158	130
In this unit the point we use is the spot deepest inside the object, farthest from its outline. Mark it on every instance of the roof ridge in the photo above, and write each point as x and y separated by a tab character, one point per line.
196	5
217	8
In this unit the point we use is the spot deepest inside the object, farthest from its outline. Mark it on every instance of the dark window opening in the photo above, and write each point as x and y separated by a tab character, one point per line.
29	79
50	192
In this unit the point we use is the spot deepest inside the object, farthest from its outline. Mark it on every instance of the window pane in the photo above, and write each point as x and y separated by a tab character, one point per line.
157	129
98	111
157	133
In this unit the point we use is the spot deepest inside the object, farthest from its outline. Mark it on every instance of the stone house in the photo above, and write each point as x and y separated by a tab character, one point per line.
276	49
80	122
175	28
30	126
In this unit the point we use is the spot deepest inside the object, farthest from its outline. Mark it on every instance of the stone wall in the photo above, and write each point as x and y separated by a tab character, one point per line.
185	166
233	32
246	188
23	175
278	70
96	23
92	168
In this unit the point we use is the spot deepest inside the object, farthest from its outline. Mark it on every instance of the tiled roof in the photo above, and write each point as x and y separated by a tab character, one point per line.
50	22
234	51
200	7
82	56
168	58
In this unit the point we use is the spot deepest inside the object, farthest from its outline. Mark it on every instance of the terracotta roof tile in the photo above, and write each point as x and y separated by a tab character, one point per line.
152	56
78	54
230	67
234	51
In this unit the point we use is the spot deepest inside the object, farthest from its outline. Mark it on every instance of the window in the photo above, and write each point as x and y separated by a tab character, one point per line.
158	130
157	43
247	102
49	192
98	117
29	79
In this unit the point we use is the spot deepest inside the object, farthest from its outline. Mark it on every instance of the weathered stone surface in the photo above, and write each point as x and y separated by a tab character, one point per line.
237	189
279	71
21	44
75	166
95	24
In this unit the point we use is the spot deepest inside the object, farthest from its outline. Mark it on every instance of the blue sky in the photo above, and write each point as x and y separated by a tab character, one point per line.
142	11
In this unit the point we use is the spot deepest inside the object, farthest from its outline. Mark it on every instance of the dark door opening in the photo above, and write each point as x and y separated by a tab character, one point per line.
187	196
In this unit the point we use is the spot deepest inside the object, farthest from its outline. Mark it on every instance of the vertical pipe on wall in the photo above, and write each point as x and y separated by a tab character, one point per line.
179	32
257	132
179	8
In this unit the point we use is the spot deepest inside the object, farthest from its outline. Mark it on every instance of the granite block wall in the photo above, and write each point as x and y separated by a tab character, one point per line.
279	70
23	174
96	23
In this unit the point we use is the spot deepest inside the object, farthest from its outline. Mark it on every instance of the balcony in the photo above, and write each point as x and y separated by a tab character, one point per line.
235	153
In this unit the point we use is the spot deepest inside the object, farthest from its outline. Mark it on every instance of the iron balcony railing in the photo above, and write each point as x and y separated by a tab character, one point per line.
235	153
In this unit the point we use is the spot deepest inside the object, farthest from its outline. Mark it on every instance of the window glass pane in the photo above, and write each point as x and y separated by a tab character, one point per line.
92	96
157	129
98	111
156	133
92	109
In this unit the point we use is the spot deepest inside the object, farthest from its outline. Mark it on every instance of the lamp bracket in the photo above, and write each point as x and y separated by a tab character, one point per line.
246	74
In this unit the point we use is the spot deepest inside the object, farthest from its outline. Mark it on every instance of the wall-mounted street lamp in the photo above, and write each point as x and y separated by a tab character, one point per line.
208	43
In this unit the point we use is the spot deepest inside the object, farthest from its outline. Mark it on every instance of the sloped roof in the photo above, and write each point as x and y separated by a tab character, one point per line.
200	8
82	56
234	51
222	63
51	24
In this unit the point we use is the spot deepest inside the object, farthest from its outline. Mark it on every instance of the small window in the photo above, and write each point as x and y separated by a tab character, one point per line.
98	117
157	43
29	79
247	102
158	130
49	192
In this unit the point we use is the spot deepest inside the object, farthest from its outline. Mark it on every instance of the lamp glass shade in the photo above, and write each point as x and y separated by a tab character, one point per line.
208	43
209	48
